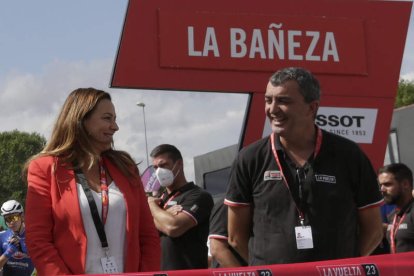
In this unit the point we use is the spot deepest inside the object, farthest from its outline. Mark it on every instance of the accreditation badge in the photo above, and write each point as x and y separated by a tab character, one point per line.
109	265
303	237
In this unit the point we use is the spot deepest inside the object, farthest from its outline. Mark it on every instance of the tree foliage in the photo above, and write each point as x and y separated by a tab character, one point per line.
405	94
15	148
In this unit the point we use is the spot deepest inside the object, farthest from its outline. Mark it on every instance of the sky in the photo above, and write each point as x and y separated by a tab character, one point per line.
48	48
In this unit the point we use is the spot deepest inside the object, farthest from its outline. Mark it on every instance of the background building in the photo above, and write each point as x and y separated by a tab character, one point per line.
400	146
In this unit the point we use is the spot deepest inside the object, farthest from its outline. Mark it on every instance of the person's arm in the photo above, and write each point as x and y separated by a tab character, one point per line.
371	229
239	224
173	225
149	239
174	210
11	249
220	251
39	223
3	261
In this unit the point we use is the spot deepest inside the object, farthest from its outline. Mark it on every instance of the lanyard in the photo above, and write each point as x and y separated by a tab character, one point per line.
99	224
169	198
396	225
393	231
104	192
316	151
174	194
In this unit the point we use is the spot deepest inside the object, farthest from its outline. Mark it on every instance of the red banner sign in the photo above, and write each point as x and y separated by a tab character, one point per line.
249	42
355	49
389	264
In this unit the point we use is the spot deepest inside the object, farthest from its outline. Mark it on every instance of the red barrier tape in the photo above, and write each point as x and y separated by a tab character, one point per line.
401	264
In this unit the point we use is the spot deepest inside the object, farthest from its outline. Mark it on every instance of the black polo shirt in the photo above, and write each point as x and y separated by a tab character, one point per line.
218	229
404	237
340	181
189	251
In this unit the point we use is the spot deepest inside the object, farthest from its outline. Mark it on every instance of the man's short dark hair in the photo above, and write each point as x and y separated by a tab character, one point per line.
308	84
400	171
172	152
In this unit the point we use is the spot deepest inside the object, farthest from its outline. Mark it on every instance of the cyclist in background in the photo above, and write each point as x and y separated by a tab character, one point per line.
14	259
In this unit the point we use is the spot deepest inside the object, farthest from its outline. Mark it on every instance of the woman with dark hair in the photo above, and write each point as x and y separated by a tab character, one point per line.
86	210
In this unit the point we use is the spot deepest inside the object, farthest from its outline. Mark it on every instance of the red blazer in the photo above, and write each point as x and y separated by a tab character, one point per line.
55	235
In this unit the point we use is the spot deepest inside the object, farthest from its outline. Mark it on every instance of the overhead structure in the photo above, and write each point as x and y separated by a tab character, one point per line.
354	47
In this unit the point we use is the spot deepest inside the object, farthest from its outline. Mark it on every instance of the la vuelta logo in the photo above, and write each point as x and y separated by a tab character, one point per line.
348	269
274	43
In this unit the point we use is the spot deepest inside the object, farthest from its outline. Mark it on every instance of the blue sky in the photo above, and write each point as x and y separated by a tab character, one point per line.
38	32
48	48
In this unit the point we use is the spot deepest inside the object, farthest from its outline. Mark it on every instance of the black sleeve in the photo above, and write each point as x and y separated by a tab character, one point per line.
198	204
239	190
218	219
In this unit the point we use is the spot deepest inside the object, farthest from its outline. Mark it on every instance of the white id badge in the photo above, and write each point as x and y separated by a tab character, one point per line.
303	237
109	265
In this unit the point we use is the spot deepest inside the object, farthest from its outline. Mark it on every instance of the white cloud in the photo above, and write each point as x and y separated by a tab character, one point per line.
408	76
195	122
30	102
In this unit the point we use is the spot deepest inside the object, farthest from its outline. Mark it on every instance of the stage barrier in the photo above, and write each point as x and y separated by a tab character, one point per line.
401	264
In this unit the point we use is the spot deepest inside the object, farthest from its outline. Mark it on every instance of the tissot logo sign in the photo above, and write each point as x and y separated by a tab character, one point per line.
259	42
357	124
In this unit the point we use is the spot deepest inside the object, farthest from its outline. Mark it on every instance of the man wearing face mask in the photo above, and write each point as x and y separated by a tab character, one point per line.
181	214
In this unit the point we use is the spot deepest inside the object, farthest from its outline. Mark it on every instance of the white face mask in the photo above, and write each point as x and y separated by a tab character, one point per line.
165	176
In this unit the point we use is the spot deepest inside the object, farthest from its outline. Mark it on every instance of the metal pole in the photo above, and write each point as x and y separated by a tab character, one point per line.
145	130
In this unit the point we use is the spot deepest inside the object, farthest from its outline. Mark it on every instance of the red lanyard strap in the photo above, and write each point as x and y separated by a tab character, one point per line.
393	231
166	198
316	151
104	192
164	204
396	225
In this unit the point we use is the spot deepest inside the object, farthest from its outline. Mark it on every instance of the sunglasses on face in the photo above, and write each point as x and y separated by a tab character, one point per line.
12	218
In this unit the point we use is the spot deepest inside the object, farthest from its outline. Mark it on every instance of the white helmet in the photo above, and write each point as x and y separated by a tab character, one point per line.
11	207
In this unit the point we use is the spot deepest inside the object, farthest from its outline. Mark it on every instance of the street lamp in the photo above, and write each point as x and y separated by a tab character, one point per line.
141	104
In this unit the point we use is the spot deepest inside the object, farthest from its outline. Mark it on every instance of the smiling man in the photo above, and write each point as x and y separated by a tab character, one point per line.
301	194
